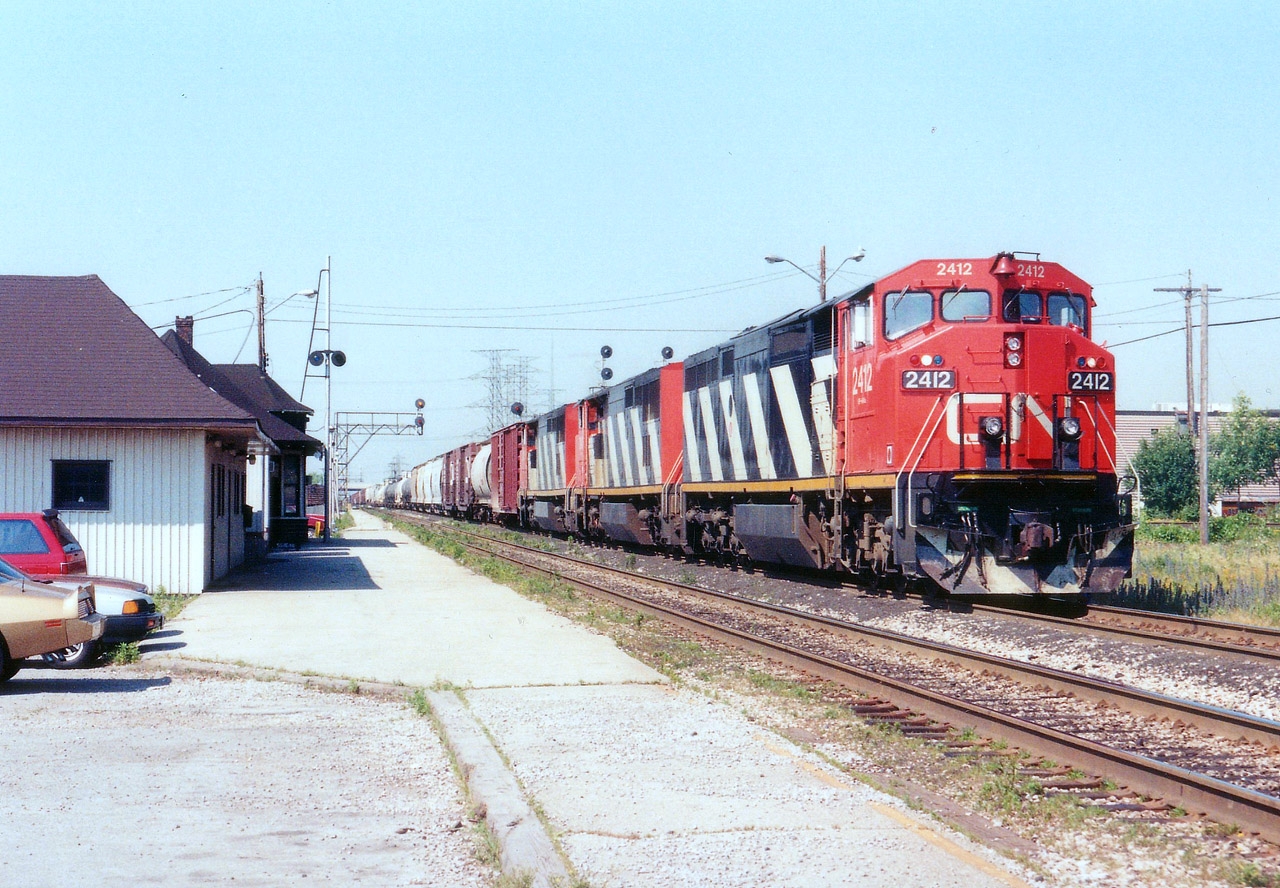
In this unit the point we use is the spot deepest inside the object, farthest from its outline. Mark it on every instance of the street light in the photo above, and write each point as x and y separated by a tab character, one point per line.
325	357
822	277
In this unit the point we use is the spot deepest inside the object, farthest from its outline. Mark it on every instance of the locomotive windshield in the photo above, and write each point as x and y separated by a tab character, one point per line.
966	305
906	311
1058	308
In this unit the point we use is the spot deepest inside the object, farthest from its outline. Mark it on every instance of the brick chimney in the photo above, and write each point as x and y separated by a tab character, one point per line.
185	328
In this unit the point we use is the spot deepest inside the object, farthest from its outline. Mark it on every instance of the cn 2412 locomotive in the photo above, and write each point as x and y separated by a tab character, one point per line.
953	420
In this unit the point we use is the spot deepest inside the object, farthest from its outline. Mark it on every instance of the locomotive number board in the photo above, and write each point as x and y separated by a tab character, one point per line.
928	379
1090	381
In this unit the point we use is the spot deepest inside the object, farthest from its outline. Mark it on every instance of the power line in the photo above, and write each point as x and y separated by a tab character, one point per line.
237	290
556	329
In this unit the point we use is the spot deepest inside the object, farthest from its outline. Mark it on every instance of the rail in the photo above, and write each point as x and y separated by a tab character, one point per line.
1226	802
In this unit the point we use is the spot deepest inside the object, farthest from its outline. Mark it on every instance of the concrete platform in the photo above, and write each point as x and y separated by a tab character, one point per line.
641	783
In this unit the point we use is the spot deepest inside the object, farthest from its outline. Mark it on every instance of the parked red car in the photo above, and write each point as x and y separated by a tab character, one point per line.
39	546
39	543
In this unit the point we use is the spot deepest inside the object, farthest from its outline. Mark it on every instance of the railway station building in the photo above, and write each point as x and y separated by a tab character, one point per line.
275	491
145	462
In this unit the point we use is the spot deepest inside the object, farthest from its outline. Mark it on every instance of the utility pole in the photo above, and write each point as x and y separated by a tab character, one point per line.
1198	427
1204	415
822	277
262	327
822	274
1188	292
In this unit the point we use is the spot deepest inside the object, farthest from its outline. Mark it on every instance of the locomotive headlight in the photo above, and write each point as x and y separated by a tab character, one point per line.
992	427
1013	350
1069	428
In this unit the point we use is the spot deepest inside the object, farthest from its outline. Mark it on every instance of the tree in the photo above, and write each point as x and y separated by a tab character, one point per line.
1166	467
1245	450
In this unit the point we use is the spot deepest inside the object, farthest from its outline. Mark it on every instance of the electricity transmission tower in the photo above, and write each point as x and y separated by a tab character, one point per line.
506	382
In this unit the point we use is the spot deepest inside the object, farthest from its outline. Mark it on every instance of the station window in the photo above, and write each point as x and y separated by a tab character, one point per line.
861	329
966	305
906	311
82	485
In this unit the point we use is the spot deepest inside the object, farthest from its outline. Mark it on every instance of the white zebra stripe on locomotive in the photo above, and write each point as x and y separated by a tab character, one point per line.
550	474
625	437
720	445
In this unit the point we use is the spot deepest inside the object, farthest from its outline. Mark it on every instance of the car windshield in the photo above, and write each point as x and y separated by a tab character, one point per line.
9	572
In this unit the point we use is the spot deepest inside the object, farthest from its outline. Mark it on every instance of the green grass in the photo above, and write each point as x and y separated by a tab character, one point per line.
345	522
121	654
170	603
1235	577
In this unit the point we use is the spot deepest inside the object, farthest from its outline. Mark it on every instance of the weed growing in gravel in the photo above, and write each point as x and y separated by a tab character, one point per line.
122	654
766	682
353	687
418	703
1249	874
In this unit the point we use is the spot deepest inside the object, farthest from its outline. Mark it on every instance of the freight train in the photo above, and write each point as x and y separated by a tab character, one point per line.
953	421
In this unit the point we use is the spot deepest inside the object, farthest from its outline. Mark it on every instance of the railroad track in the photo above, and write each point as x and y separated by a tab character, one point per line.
1198	758
1145	627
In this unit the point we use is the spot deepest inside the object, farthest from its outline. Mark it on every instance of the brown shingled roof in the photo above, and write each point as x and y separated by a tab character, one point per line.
75	353
255	393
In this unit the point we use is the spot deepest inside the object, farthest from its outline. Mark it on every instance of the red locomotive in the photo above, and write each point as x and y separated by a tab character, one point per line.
951	420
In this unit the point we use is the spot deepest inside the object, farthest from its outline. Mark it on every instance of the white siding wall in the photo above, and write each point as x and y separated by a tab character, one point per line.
154	531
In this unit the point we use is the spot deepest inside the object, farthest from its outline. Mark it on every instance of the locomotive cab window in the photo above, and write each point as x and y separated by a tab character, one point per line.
906	311
1068	310
861	328
1023	307
966	305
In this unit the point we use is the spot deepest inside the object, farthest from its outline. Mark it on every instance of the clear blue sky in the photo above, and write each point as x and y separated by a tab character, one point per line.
619	171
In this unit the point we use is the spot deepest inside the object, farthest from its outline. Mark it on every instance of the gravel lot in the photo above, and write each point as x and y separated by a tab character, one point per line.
126	776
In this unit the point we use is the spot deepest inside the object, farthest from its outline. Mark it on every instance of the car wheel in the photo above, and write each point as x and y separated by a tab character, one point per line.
74	657
8	666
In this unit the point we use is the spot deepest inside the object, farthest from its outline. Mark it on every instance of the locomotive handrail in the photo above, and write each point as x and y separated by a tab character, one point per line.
945	401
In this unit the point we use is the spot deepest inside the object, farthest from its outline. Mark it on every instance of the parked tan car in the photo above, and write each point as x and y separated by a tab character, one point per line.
38	616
